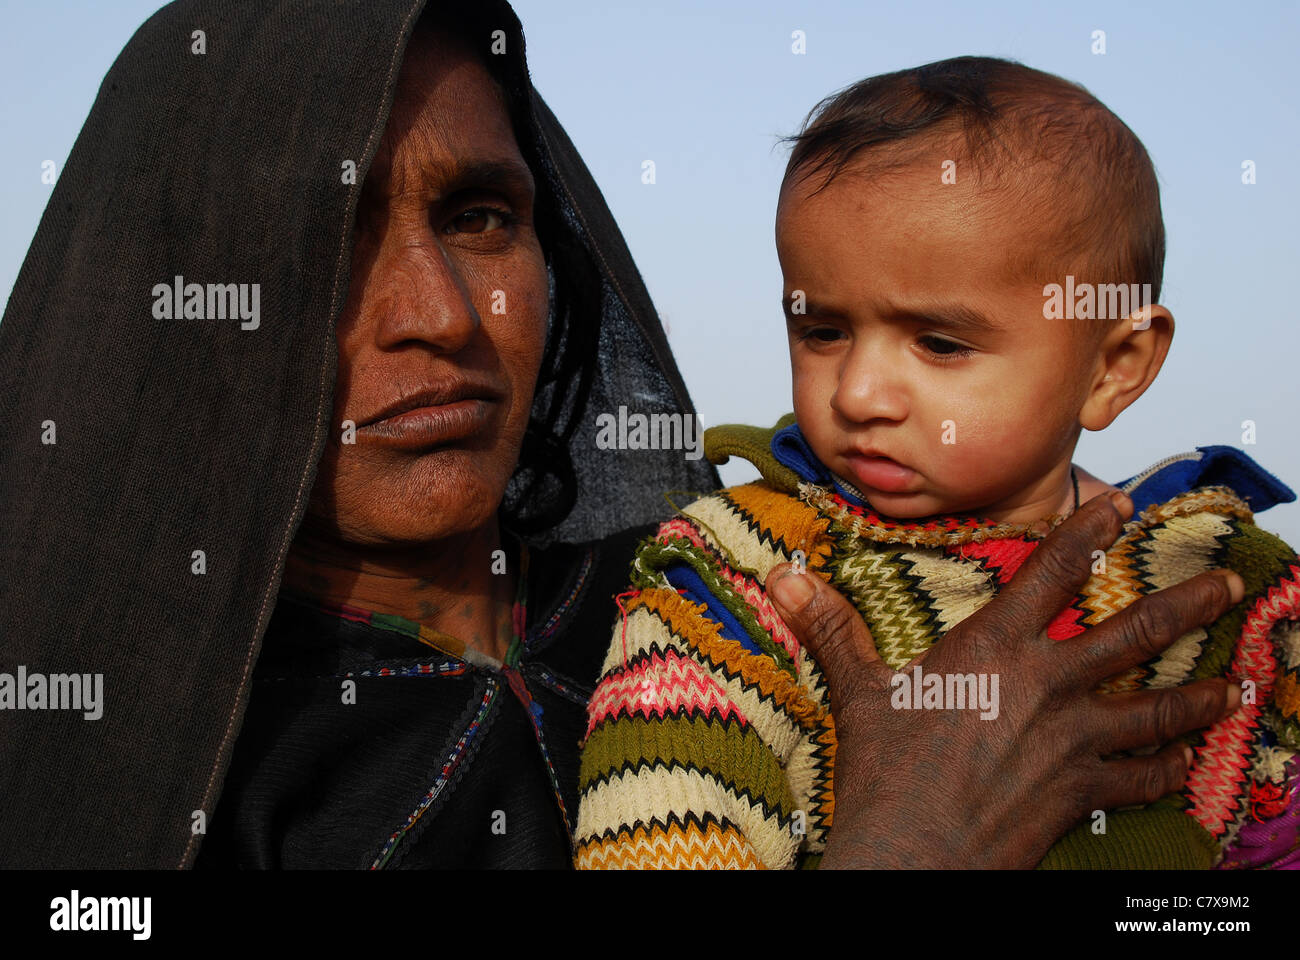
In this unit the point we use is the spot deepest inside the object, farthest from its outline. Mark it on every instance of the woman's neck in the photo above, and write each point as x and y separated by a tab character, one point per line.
460	585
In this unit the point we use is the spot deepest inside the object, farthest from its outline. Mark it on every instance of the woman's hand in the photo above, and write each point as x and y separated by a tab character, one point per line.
945	788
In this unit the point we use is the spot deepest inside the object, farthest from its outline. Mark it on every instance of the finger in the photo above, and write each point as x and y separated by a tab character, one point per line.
1148	718
1143	779
1051	577
1146	627
825	623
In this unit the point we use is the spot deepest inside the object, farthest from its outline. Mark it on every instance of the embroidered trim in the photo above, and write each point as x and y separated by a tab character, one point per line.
445	669
519	687
938	532
952	531
448	770
569	689
544	632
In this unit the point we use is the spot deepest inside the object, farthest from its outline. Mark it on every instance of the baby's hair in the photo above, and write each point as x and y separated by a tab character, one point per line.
1054	147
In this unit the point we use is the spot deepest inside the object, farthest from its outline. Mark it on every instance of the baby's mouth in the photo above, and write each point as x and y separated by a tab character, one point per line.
879	473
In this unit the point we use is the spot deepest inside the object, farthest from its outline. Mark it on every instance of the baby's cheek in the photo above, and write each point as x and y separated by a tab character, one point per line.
958	428
812	404
977	451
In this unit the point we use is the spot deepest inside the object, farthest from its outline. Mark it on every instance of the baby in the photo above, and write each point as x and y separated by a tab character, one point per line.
971	251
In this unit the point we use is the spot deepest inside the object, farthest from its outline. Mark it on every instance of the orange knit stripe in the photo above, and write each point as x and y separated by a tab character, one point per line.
1286	696
824	786
674	847
684	619
784	518
688	621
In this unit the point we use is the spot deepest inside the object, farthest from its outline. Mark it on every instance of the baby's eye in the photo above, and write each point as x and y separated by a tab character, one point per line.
822	334
944	348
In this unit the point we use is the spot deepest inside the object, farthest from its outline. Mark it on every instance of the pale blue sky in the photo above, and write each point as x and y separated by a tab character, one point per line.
705	88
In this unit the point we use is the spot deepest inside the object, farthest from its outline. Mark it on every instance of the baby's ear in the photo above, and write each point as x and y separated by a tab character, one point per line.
1129	358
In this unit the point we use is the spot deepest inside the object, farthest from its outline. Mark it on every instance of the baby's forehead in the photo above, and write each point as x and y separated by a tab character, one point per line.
1021	202
996	170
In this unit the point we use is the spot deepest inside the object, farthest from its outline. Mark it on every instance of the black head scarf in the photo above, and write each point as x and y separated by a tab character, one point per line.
133	442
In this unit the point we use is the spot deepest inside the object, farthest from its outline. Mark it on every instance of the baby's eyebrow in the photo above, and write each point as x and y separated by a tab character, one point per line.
811	308
956	317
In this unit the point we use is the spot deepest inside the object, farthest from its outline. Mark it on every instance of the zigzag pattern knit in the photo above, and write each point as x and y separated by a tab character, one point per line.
710	741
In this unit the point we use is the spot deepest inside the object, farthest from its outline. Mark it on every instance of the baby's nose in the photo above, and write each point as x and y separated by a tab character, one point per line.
869	391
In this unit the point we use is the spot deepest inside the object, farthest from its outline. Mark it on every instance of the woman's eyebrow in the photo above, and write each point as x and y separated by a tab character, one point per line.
505	176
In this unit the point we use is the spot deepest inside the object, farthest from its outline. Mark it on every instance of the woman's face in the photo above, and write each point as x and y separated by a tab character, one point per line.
445	323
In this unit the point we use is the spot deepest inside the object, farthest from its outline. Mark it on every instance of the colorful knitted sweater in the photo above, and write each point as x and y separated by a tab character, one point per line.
710	741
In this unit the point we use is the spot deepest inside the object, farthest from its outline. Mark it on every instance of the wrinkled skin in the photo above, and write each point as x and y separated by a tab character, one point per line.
444	223
945	789
448	292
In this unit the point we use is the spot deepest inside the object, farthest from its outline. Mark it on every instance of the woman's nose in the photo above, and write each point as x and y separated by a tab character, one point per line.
869	388
426	298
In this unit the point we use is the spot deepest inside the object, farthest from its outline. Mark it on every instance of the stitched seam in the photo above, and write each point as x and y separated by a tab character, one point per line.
241	699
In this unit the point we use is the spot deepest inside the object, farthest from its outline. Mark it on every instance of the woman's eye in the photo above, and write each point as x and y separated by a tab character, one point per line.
478	220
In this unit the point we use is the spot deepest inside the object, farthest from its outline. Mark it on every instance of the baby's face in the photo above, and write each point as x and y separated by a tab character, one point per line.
924	372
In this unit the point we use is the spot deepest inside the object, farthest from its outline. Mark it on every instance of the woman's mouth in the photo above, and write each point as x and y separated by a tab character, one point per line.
880	473
431	426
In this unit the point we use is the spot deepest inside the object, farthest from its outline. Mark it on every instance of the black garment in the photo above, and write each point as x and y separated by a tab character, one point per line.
147	543
319	783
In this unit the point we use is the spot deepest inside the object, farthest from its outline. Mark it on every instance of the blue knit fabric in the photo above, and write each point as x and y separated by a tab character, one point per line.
1207	467
792	450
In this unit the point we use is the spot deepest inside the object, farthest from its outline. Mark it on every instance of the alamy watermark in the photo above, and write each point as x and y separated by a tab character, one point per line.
56	691
75	913
946	691
179	300
655	431
1096	301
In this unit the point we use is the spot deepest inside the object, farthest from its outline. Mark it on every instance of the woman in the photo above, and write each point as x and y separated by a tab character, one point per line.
345	561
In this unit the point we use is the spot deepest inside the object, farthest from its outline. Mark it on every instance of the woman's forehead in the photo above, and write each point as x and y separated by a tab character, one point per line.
449	121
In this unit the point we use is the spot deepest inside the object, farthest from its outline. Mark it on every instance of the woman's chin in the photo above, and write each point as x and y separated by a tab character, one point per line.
422	504
398	531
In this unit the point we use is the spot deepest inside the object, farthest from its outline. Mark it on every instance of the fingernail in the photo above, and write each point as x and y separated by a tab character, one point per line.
1236	587
1234	697
792	590
1122	503
1187	752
